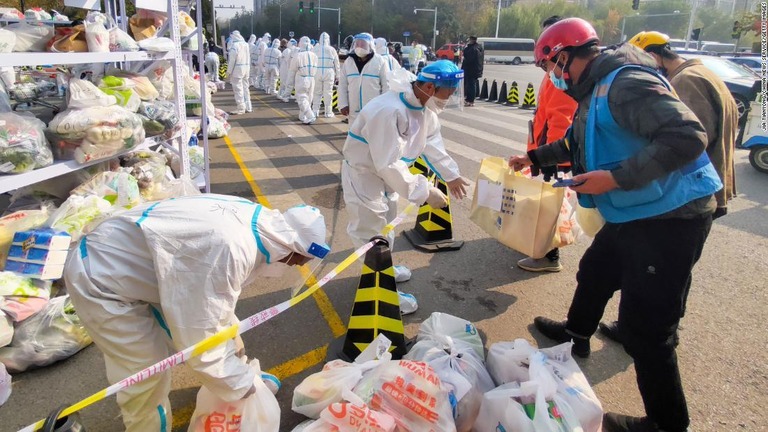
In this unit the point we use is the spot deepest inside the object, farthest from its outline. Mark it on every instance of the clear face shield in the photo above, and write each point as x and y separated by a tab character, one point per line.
308	268
449	90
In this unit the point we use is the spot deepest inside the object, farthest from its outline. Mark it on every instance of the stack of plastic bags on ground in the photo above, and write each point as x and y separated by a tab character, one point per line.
375	393
443	384
540	391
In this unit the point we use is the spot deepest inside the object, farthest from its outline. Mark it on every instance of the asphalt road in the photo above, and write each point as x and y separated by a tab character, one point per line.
723	337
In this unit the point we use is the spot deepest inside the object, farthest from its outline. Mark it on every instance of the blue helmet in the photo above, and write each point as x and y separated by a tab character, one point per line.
443	73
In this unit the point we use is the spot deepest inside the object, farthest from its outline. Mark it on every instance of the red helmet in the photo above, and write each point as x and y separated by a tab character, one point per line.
567	33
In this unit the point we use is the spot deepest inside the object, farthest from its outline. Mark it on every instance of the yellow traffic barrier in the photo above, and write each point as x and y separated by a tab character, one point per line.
529	101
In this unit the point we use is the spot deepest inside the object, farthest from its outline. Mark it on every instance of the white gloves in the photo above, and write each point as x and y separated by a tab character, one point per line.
437	198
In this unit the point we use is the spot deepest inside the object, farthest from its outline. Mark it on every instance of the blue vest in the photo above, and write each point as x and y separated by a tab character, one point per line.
608	144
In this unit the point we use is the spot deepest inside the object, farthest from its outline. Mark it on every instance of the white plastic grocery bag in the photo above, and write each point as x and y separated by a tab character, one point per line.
462	370
259	412
352	416
442	324
556	369
411	392
508	361
321	389
500	411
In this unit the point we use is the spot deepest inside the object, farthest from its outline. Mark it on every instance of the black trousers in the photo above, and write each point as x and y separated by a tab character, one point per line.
650	261
470	89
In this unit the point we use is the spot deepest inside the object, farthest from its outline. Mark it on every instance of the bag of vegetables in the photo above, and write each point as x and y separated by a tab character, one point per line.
23	146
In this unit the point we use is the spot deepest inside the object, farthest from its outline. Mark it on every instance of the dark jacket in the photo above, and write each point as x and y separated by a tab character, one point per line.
473	61
640	103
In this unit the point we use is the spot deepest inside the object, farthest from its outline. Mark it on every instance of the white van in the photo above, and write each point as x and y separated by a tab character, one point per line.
507	50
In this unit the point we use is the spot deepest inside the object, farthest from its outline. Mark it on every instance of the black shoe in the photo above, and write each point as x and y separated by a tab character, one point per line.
613	422
611	331
555	330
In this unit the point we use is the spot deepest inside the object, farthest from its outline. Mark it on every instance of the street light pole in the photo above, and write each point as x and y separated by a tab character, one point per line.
498	16
373	3
690	23
434	25
338	22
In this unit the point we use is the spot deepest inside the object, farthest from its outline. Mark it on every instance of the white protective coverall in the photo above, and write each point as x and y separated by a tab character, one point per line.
383	51
253	42
212	64
327	71
272	66
304	69
255	52
391	132
266	42
357	88
286	80
238	70
176	268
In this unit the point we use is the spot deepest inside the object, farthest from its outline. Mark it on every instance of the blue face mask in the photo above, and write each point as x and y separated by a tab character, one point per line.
559	83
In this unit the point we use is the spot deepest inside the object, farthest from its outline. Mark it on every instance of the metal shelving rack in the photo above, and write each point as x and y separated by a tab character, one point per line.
177	144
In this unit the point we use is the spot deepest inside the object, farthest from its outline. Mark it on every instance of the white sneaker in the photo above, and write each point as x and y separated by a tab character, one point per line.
408	303
330	115
402	274
237	112
249	110
272	382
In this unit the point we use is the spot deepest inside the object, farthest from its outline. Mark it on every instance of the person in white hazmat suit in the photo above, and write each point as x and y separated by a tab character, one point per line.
212	65
253	43
304	69
163	276
381	49
391	132
286	80
363	77
238	71
327	71
266	42
272	58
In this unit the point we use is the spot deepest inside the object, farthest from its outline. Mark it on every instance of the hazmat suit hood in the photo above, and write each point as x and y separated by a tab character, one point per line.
304	44
266	38
292	43
325	39
381	46
252	40
275	44
235	36
300	229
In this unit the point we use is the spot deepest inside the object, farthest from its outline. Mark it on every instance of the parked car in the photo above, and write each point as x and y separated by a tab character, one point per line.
751	62
446	51
742	82
756	140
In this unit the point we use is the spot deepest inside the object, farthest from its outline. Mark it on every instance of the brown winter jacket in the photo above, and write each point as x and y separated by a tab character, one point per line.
708	97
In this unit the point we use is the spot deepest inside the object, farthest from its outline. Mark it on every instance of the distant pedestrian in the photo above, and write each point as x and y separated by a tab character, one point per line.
472	65
457	54
398	53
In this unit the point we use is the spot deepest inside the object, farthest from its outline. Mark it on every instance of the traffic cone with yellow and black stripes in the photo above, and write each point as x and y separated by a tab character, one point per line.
513	97
222	68
434	227
529	101
376	309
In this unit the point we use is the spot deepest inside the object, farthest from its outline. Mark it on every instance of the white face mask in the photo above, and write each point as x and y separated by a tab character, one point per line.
436	105
362	52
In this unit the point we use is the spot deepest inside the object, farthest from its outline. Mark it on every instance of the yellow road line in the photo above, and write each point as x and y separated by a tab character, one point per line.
329	313
246	173
300	363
